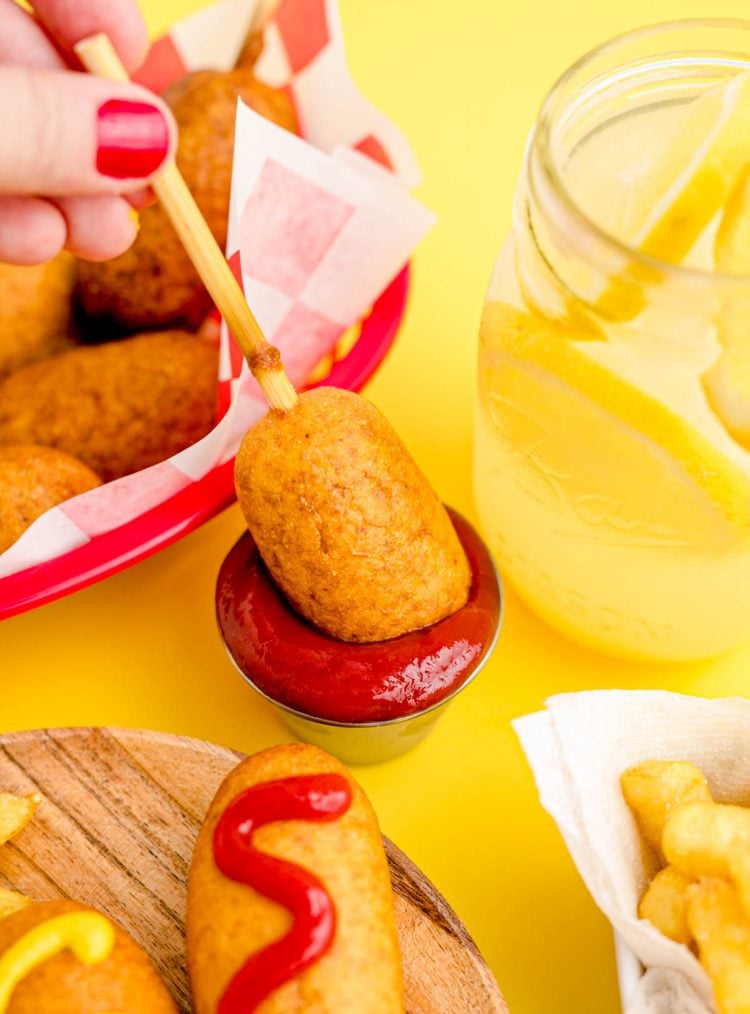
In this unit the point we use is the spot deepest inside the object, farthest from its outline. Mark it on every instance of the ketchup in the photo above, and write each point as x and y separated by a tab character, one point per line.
322	797
299	666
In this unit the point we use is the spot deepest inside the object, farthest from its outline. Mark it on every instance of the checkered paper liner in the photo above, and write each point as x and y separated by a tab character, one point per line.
304	54
318	228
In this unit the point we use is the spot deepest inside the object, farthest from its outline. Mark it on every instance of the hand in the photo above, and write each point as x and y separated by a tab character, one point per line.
76	151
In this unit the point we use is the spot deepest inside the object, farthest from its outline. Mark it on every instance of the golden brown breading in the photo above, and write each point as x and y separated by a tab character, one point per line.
126	981
35	311
154	284
345	521
33	479
228	921
118	407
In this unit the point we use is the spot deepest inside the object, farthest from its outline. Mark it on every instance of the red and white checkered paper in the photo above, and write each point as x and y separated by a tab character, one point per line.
317	230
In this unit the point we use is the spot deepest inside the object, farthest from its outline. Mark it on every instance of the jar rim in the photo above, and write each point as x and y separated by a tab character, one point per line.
542	142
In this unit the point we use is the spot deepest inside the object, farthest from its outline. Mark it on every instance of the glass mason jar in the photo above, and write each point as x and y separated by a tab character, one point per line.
612	438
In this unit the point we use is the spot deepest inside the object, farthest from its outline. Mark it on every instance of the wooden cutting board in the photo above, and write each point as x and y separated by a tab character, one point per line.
120	813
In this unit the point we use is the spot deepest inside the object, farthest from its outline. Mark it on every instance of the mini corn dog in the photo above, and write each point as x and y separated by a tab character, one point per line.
35	311
117	407
33	479
154	284
61	956
345	521
245	951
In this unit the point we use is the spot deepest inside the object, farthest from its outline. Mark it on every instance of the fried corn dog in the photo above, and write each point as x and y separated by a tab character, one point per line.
346	522
40	973
154	284
35	312
237	954
117	407
33	479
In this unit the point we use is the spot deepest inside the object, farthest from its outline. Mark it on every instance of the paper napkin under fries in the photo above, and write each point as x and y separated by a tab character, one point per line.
577	748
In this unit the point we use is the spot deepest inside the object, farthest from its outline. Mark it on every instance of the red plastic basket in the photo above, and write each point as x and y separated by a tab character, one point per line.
111	552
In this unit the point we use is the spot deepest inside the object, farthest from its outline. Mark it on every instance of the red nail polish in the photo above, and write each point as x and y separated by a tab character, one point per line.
132	139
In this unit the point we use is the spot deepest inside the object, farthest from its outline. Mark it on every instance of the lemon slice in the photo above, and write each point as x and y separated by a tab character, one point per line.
727	386
732	244
727	383
661	463
687	184
554	301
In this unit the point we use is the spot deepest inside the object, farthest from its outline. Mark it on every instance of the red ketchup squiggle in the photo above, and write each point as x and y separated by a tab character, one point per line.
322	797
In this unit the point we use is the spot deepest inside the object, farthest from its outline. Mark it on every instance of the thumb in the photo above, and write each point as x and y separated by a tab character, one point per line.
65	133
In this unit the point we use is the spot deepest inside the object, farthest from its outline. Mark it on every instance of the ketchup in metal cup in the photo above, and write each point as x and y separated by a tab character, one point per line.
302	668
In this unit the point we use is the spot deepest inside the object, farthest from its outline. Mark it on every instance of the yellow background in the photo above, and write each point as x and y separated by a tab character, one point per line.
464	81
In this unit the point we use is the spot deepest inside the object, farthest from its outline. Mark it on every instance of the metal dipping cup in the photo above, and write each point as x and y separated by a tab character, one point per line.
370	742
376	741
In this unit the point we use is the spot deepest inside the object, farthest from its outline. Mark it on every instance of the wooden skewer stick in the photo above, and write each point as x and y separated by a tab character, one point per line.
98	56
263	14
253	45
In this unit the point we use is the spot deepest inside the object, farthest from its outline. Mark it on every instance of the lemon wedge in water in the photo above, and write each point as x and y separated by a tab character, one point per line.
732	244
727	386
727	383
674	466
686	184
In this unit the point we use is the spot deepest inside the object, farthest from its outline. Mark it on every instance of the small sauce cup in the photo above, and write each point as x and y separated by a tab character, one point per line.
364	703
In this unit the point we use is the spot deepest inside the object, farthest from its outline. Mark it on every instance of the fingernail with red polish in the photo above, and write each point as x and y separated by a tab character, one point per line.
132	139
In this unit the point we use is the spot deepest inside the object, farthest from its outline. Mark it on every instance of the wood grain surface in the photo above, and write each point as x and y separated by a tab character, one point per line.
119	816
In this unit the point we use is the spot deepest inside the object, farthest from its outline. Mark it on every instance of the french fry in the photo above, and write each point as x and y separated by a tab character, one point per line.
12	901
721	930
739	871
665	904
699	838
704	892
654	788
15	813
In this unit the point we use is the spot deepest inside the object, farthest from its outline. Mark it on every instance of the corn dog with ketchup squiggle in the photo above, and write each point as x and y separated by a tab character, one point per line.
289	898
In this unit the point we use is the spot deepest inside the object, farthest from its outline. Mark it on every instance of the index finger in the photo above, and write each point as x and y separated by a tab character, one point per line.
69	21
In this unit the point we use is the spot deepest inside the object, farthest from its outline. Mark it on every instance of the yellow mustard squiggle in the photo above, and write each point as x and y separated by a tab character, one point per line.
89	935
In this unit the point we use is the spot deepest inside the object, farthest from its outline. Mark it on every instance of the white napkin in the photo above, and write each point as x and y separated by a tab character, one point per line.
578	748
662	991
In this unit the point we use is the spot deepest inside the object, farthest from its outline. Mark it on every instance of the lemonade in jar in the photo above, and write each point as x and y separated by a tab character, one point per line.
612	439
